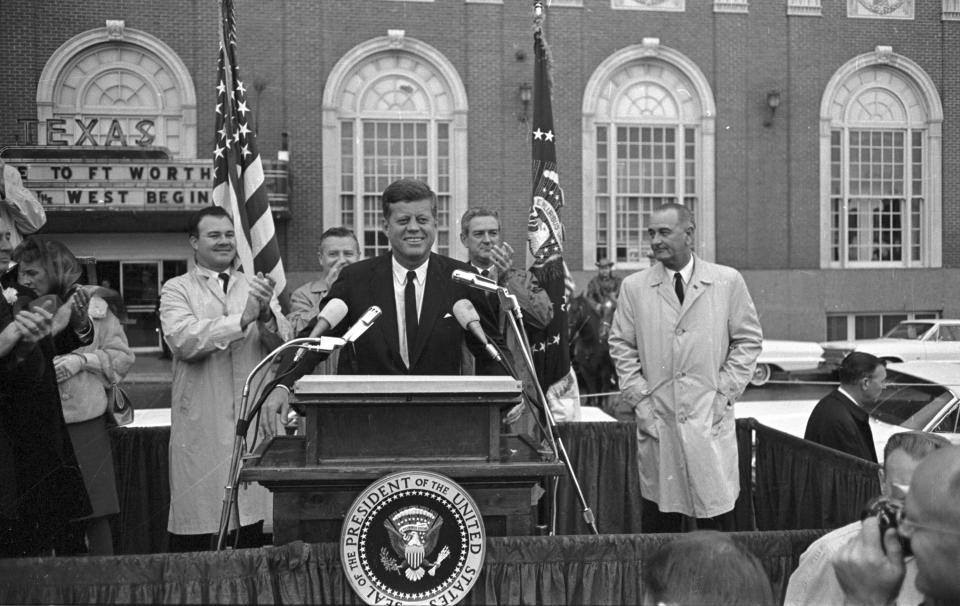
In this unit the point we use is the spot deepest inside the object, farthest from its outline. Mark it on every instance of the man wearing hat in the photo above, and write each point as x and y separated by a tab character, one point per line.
603	286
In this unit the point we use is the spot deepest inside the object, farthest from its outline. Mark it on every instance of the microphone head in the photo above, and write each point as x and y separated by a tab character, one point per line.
463	277
334	312
465	312
362	324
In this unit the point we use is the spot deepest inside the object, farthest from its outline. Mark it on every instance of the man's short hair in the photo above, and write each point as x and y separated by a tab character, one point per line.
472	213
407	190
683	213
193	225
338	232
858	365
706	567
917	444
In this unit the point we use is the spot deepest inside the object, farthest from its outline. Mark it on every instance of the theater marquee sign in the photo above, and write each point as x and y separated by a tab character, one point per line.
119	184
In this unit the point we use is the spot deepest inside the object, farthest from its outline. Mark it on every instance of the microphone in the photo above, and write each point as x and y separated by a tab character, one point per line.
468	318
360	326
329	317
475	281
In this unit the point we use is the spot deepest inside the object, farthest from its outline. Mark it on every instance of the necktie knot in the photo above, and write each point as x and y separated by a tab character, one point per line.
224	280
485	273
678	286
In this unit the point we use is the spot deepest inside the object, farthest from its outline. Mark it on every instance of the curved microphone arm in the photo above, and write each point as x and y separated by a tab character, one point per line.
243	423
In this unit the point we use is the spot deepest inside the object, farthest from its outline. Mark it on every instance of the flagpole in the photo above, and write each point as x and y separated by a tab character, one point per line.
230	505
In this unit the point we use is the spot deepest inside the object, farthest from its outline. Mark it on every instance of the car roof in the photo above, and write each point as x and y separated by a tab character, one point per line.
942	373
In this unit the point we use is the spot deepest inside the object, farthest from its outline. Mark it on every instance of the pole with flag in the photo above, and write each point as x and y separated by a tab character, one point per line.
551	350
550	346
238	183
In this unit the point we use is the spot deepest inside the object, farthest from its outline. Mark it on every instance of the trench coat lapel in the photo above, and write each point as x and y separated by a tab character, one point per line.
664	286
700	281
213	284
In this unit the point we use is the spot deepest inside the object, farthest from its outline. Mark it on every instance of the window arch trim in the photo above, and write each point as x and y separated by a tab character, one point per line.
927	93
61	58
335	85
705	122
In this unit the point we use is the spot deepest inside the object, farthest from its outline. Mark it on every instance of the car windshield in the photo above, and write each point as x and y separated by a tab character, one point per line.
910	402
909	330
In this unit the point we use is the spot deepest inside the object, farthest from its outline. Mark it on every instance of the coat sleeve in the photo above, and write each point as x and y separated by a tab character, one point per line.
113	357
19	204
273	334
624	348
533	299
302	308
190	336
746	341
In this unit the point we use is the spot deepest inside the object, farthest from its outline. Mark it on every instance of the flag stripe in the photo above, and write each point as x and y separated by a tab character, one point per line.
238	169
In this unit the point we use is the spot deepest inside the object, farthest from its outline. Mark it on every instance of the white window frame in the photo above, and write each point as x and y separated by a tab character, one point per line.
64	56
842	89
698	110
419	62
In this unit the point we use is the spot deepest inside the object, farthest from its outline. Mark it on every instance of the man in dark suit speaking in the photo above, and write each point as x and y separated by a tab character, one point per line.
417	333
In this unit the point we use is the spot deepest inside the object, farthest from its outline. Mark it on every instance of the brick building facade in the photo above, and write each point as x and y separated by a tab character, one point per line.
818	142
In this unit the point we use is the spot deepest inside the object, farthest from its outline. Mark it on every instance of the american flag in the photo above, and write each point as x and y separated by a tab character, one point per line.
551	354
238	183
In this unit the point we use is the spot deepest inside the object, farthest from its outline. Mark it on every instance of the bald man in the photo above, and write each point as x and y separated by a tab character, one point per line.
871	572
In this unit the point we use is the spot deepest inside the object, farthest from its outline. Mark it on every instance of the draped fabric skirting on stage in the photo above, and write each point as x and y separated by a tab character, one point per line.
603	569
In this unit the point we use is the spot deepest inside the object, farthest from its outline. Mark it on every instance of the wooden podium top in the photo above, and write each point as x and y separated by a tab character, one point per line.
337	386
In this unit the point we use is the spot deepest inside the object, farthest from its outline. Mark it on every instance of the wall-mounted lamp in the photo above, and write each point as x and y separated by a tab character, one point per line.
773	102
526	94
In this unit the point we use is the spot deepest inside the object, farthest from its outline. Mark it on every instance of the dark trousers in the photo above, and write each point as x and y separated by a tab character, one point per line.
250	536
652	520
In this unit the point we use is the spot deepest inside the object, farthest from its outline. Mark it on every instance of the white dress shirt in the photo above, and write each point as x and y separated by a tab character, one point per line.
399	285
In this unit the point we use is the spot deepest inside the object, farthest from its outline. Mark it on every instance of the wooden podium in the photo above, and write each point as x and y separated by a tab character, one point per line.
360	428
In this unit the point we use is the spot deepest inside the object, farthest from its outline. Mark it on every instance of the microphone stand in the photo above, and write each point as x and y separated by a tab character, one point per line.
509	302
240	439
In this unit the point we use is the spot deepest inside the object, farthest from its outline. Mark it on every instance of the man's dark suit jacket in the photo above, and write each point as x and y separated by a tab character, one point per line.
437	350
840	424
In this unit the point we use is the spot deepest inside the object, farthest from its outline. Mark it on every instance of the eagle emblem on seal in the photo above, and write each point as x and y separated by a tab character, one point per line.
414	533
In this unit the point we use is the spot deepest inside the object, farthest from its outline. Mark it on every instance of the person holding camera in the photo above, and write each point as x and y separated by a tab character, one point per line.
872	568
814	582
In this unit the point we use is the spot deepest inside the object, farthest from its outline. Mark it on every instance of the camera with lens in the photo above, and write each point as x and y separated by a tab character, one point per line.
887	512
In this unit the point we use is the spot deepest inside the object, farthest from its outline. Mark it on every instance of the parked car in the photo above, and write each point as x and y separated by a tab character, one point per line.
785	357
923	396
908	340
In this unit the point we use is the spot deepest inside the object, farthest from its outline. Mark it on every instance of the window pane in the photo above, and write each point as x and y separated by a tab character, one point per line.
867	327
836	328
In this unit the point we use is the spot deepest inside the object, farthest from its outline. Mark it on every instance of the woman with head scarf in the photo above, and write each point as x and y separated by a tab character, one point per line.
83	375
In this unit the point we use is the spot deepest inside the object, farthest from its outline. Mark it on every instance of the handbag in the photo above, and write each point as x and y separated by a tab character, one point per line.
119	406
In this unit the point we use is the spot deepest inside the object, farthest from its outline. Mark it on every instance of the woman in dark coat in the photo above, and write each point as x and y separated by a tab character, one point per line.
41	487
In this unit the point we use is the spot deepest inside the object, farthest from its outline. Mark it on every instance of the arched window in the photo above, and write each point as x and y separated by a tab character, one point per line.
393	108
648	139
118	87
880	165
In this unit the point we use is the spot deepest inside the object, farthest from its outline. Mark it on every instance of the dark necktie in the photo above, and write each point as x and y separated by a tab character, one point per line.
410	311
678	286
225	277
485	273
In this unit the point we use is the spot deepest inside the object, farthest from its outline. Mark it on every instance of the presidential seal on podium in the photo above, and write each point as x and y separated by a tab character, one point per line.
413	537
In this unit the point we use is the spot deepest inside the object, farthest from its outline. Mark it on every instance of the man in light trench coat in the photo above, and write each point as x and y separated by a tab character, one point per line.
219	324
685	340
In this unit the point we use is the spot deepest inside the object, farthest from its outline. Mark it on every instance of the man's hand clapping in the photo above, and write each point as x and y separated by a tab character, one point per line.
258	301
